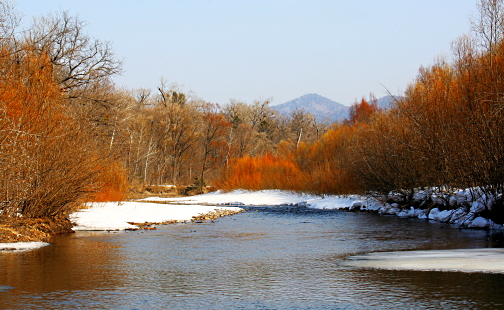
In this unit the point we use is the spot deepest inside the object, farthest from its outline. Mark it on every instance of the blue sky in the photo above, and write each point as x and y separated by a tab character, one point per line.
249	50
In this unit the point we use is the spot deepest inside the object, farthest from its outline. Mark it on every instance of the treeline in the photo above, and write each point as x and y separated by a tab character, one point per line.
446	131
68	135
168	137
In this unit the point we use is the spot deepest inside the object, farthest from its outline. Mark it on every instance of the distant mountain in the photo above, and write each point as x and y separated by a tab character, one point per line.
322	108
386	102
325	109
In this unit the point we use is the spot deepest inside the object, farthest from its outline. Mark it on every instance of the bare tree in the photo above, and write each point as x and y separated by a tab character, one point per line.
9	21
488	27
261	115
79	60
300	123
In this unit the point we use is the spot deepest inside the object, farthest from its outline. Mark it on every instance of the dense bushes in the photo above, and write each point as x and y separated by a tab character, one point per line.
264	172
446	131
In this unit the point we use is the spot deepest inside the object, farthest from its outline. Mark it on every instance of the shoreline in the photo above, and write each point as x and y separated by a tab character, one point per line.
18	233
19	230
459	208
465	209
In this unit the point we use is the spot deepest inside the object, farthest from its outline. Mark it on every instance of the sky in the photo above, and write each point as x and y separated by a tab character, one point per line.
270	49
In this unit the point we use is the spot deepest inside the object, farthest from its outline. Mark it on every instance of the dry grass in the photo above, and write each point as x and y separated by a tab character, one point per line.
25	230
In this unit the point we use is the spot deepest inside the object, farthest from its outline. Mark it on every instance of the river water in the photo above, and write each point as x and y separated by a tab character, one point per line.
266	258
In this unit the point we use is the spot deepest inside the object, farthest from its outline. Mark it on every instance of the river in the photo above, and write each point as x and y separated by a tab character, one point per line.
266	258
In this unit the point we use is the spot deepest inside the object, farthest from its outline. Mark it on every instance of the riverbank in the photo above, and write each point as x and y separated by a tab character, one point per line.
134	215
18	234
29	230
462	208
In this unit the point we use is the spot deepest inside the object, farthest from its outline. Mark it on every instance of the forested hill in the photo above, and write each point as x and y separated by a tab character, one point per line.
322	108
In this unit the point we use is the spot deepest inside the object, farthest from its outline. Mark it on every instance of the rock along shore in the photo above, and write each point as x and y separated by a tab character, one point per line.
466	208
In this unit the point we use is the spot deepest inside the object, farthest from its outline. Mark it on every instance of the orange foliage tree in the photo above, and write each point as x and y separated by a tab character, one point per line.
361	112
49	164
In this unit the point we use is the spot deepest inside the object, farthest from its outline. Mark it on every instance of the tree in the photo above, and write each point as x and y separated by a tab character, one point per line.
48	162
488	28
213	138
360	112
177	131
9	21
300	123
261	116
79	60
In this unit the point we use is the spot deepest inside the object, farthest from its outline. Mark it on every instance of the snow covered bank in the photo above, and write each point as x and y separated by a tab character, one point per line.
465	217
116	215
21	246
464	260
466	205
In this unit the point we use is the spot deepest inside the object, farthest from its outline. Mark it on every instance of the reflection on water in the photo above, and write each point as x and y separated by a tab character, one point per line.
5	288
71	263
275	258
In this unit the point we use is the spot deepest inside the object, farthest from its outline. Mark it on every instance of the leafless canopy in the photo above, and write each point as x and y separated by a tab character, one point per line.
79	59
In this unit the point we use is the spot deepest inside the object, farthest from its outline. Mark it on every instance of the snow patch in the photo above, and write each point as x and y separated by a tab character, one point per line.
21	246
489	260
115	216
480	222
